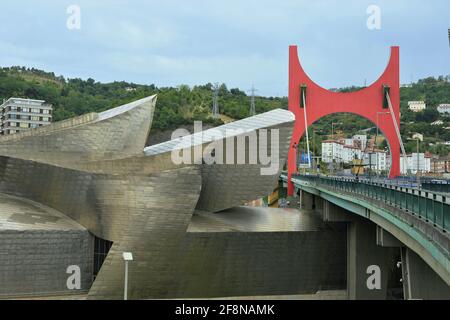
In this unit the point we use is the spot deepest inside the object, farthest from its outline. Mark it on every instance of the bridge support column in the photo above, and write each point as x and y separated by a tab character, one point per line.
387	240
319	204
419	280
367	263
334	213
306	200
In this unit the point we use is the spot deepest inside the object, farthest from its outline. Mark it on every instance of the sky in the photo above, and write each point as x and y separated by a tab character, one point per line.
237	42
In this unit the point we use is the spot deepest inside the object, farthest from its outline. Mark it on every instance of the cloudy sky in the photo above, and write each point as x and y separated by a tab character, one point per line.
238	42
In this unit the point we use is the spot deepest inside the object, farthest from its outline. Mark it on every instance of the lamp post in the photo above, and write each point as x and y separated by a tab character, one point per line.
332	128
127	256
313	145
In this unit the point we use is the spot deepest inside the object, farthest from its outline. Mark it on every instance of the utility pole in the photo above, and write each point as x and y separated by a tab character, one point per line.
252	101
215	108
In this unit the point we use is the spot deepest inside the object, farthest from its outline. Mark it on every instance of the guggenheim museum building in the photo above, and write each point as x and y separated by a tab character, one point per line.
76	194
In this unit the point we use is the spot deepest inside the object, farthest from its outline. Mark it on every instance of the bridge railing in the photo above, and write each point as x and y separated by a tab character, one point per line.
438	186
429	206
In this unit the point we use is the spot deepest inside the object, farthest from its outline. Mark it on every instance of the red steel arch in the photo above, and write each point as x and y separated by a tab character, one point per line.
366	102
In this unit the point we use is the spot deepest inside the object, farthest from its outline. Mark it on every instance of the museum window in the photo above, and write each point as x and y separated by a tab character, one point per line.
101	249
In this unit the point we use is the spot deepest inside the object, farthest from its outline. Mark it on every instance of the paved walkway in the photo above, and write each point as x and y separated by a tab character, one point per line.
320	295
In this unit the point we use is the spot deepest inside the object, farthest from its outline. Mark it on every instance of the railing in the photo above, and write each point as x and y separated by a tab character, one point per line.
443	186
430	206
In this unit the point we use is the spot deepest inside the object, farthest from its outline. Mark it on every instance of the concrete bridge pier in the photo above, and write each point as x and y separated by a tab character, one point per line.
306	200
368	266
367	263
380	235
419	280
319	204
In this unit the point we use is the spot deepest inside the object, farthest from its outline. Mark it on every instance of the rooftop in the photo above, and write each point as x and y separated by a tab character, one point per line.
332	141
13	99
20	214
124	108
416	102
260	121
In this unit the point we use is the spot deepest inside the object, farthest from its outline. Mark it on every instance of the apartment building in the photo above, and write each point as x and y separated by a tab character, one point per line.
332	151
338	151
416	106
360	140
444	108
376	160
440	164
17	114
414	162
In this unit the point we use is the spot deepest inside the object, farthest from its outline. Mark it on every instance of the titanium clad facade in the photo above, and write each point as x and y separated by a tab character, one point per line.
158	221
241	173
260	251
137	213
112	134
233	264
230	185
37	245
95	171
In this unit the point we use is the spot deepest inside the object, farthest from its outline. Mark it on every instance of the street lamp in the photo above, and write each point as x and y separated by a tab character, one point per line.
332	128
313	145
127	256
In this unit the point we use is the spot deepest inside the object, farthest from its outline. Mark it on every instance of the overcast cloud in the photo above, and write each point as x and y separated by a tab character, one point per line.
238	42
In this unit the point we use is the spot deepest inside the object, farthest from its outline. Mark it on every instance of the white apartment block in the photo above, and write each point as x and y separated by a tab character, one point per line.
416	106
331	151
444	108
347	150
350	153
337	151
377	161
18	114
412	162
360	140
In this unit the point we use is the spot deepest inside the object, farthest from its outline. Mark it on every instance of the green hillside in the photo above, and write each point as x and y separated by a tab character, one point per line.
176	106
433	91
183	104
